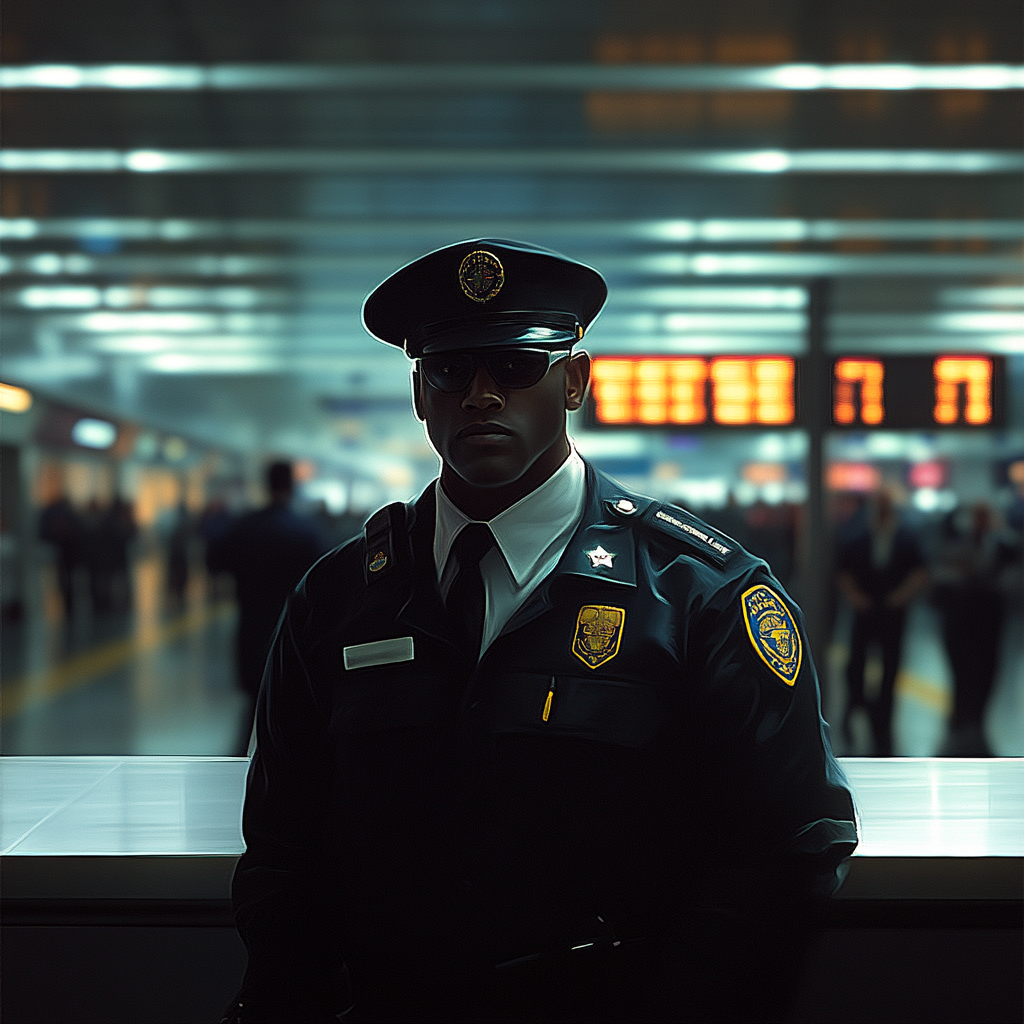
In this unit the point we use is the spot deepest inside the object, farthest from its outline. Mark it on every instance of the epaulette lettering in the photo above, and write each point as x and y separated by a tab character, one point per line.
677	523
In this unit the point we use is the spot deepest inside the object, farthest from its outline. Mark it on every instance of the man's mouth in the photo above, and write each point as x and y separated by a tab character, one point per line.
483	430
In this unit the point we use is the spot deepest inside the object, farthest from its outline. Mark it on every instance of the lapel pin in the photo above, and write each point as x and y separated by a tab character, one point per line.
599	558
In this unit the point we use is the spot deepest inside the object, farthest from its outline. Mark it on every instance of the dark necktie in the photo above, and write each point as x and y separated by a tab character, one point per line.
466	601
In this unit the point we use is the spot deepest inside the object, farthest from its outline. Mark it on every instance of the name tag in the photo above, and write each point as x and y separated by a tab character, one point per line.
380	652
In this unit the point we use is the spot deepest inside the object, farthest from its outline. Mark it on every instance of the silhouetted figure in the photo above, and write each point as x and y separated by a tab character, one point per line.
881	569
267	552
178	543
61	526
214	521
972	602
96	555
110	534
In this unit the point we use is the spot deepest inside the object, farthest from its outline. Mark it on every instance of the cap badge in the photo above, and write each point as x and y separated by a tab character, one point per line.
599	557
481	275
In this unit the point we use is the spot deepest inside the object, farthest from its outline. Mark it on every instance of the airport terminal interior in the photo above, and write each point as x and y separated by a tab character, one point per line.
811	220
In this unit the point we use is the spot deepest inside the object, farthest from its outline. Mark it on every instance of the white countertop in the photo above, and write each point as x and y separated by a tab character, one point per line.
191	806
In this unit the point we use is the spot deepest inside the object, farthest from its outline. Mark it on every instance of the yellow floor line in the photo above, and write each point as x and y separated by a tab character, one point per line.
78	670
925	692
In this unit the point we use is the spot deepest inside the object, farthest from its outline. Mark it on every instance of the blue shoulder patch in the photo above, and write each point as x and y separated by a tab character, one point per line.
773	632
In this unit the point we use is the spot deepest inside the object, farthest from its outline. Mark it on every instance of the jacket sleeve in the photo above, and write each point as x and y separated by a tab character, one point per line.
280	886
784	818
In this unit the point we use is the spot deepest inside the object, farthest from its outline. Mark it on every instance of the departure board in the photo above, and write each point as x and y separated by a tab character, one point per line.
919	392
726	391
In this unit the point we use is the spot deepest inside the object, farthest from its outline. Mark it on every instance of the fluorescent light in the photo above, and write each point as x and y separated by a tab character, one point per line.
147	160
61	297
90	433
504	78
727	296
920	323
401	233
995	296
364	270
504	161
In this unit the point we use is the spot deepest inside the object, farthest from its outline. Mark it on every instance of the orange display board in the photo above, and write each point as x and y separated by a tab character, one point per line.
975	376
902	392
694	390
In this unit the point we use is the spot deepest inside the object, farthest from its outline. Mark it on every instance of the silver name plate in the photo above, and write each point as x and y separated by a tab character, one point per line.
380	652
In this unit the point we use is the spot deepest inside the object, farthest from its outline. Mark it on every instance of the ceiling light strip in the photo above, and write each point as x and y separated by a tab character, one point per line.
514	161
512	77
364	271
380	232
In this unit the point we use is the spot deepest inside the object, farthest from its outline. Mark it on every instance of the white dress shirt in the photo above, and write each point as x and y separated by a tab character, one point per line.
531	537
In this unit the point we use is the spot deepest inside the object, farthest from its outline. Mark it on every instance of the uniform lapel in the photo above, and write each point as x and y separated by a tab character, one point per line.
600	531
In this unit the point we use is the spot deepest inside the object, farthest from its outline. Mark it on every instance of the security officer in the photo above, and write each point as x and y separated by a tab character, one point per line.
533	747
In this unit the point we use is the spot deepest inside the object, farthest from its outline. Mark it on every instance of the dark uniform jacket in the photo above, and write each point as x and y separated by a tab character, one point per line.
642	741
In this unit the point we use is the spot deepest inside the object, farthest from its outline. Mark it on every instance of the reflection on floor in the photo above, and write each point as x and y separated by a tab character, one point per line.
158	681
154	681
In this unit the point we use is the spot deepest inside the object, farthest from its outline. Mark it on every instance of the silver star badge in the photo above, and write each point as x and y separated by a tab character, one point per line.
599	557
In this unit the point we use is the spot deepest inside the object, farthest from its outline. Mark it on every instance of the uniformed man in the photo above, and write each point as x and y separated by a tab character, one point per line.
533	747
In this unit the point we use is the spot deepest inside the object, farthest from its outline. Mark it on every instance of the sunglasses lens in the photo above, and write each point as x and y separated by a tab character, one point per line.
449	371
517	368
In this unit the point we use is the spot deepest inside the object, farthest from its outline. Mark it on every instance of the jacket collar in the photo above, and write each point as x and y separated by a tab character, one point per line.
605	533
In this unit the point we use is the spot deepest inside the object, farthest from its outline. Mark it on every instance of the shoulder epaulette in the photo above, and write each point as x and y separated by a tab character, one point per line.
380	550
682	525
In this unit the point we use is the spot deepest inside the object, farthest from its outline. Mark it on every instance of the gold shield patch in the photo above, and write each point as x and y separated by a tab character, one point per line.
481	275
773	632
598	634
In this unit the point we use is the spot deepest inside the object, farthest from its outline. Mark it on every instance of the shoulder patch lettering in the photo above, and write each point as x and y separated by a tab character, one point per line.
773	632
677	523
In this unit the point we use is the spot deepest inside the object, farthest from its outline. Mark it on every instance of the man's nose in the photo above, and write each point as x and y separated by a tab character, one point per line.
483	393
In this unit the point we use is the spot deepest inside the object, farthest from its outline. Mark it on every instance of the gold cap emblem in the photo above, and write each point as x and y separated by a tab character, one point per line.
481	275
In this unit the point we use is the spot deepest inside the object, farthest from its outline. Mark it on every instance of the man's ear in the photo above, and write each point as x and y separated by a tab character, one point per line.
417	402
577	378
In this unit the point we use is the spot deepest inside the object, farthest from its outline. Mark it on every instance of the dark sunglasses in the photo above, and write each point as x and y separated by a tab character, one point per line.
509	367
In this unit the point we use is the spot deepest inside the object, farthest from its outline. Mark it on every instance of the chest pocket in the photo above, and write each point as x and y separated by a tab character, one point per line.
605	710
390	697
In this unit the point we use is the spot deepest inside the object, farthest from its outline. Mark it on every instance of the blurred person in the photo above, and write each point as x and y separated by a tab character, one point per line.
111	542
532	747
881	569
267	552
214	521
179	542
974	576
61	526
95	556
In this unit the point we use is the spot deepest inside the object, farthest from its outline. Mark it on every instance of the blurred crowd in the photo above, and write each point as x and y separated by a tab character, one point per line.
967	564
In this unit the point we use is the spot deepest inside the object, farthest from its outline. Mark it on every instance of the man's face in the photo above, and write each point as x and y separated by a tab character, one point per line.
492	436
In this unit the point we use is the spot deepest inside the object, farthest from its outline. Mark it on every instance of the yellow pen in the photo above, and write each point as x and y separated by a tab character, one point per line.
547	703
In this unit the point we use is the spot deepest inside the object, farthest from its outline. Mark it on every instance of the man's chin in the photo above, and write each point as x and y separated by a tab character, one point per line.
488	473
